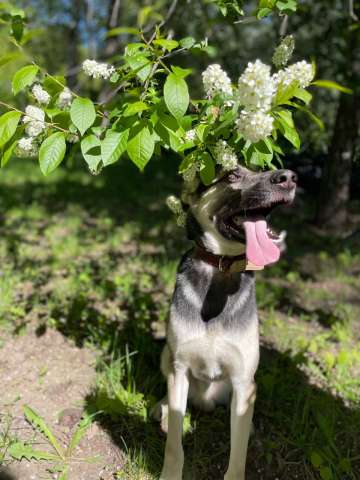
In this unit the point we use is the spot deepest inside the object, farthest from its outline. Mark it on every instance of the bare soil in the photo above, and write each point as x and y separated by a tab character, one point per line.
54	376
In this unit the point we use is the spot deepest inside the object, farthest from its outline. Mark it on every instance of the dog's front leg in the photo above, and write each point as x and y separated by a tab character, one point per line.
242	408
178	387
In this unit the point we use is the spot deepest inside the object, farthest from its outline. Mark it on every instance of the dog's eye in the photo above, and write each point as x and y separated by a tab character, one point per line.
234	177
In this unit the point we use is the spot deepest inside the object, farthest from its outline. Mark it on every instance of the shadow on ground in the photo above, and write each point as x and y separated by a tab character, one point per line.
292	418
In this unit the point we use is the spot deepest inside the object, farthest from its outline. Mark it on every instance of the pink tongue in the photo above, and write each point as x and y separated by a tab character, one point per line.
260	249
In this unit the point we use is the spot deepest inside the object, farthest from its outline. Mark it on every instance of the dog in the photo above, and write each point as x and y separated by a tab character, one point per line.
212	341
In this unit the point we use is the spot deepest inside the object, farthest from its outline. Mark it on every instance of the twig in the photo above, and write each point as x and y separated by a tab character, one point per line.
14	109
169	14
114	14
352	13
247	20
284	26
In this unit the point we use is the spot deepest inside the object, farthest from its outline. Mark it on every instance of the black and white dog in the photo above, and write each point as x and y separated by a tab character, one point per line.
213	337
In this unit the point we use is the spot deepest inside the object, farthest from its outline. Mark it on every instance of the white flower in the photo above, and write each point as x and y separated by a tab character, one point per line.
72	138
216	81
34	120
190	135
26	144
255	126
181	220
256	86
97	70
65	98
40	94
284	51
175	206
26	147
225	155
303	72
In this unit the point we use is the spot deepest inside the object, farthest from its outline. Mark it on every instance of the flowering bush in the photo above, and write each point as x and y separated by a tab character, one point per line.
150	110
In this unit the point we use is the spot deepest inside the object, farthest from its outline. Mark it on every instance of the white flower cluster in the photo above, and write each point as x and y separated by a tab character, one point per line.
97	70
190	135
40	94
190	174
284	51
26	147
225	155
65	98
34	120
216	81
175	206
254	125
303	72
256	86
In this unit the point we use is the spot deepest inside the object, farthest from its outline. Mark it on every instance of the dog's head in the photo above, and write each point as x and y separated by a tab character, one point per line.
230	216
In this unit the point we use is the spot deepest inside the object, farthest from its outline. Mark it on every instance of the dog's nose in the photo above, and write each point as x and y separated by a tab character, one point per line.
284	178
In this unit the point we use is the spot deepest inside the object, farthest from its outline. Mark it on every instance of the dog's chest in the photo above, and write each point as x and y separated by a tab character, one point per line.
216	353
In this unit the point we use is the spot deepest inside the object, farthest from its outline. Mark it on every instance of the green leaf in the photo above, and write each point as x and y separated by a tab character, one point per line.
82	114
140	64
326	473
36	420
10	57
54	84
286	93
263	12
51	154
113	146
64	474
135	107
23	78
286	117
176	95
316	459
187	42
167	44
331	85
7	154
17	27
91	151
207	168
186	163
114	32
80	431
286	6
303	95
141	147
181	72
8	125
313	117
19	451
291	135
170	133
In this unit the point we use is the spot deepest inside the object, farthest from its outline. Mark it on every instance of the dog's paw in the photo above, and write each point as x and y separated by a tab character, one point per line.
160	413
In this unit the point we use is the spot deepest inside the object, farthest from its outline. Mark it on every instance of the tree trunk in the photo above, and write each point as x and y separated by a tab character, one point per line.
332	210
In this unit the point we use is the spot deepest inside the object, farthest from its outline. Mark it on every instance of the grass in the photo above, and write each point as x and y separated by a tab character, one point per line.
95	258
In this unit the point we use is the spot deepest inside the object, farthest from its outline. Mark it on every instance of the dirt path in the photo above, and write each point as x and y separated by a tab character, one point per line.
52	376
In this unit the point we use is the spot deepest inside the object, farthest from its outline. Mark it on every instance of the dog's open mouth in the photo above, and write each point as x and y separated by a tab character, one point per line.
262	242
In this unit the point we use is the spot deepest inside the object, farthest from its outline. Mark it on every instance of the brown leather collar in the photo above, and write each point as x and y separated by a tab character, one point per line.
224	263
